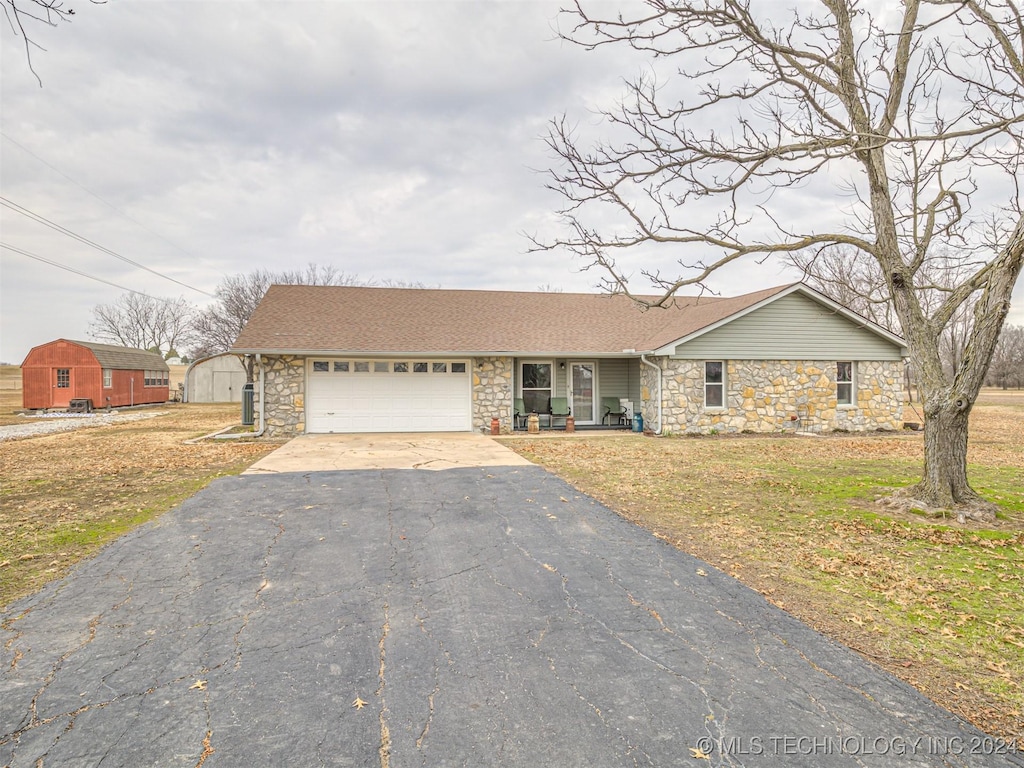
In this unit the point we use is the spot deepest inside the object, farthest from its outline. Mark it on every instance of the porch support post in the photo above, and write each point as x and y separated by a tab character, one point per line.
658	372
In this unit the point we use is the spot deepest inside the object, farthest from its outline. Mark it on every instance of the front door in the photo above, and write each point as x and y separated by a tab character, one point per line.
61	387
581	390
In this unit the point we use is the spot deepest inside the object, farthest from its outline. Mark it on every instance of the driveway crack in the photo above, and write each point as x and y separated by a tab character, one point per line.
264	584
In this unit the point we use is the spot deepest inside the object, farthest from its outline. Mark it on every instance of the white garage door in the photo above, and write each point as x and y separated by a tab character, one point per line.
388	396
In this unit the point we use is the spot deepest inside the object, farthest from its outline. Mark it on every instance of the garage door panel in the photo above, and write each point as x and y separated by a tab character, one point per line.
348	398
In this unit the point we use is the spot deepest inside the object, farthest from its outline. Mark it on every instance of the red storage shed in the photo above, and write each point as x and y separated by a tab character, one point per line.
56	373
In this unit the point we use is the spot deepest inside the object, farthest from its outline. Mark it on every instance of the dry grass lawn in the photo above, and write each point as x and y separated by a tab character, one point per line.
937	604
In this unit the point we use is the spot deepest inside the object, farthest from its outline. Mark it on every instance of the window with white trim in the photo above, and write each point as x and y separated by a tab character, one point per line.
536	386
845	383
108	378
714	384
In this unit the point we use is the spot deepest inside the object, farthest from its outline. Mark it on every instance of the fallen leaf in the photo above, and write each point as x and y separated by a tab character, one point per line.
198	685
999	669
699	754
358	703
701	572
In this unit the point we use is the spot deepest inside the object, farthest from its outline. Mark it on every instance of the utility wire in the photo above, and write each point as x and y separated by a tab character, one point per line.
111	206
75	236
75	271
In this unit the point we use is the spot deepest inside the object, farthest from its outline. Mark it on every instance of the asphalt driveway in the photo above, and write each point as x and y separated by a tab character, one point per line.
469	617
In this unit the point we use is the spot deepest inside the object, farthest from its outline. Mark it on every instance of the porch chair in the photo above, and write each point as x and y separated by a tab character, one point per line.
559	409
612	409
520	414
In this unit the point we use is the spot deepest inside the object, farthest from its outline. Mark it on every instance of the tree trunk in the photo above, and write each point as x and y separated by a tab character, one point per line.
944	483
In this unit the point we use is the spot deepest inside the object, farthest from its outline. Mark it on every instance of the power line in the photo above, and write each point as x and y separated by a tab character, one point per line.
85	189
75	236
75	271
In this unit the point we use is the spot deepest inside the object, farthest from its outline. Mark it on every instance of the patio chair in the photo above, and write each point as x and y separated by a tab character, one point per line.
520	415
559	409
612	409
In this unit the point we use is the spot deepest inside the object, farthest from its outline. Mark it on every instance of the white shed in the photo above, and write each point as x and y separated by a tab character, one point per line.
215	379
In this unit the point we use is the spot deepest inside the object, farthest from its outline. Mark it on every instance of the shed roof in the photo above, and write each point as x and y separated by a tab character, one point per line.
124	358
320	319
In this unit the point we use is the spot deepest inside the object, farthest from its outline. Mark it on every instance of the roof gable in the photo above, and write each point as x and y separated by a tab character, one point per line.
797	321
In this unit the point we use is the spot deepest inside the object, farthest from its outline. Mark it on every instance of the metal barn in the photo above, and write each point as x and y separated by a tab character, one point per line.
215	379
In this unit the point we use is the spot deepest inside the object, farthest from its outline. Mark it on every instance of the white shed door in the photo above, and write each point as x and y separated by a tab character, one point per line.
349	395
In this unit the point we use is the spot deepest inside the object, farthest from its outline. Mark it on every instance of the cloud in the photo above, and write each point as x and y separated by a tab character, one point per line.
394	140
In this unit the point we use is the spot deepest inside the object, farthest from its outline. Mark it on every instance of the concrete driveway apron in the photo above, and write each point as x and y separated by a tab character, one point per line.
478	616
319	453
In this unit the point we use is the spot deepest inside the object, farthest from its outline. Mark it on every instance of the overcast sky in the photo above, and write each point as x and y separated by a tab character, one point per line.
396	141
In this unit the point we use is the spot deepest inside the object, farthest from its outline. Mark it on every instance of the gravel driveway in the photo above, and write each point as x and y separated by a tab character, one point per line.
35	426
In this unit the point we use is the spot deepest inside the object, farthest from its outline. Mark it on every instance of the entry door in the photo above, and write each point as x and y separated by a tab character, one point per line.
61	387
581	388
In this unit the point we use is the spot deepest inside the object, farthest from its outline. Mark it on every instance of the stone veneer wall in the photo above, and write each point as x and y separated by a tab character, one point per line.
286	396
492	393
765	395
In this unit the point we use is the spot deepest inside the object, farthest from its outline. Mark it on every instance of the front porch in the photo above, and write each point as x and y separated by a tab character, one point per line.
598	394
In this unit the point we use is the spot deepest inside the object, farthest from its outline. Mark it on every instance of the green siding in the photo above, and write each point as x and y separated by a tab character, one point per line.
619	378
793	327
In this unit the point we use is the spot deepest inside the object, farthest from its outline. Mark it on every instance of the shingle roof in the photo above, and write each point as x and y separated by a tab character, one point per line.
309	319
124	358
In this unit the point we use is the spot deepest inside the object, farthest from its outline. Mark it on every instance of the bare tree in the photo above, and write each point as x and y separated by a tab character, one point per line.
143	322
218	326
1007	369
24	14
911	114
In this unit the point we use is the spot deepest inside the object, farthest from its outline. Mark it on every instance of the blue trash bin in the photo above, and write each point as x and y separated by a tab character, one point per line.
638	423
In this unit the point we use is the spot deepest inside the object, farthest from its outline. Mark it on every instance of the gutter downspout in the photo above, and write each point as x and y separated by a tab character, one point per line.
263	398
645	361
